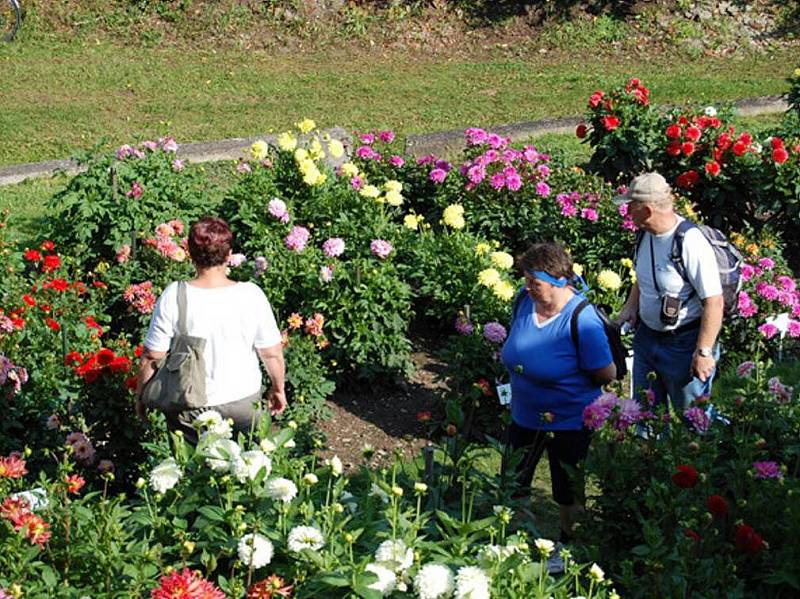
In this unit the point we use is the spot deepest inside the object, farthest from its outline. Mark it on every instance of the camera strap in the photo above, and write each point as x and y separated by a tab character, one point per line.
653	266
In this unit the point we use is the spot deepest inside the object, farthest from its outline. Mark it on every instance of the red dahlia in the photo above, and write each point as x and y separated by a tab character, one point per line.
718	506
686	477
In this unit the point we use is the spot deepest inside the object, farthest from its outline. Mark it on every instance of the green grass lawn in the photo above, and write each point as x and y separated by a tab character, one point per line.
57	98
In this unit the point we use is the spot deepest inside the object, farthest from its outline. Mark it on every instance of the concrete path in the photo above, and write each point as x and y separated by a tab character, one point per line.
441	144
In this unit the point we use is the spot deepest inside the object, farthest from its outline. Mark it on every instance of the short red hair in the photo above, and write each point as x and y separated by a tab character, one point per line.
210	241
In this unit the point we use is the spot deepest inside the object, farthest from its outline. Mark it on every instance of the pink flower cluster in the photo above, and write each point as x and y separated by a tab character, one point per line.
167	242
185	583
494	332
333	247
141	297
12	377
745	369
578	204
381	248
620	414
627	220
136	191
82	448
297	239
236	260
366	151
698	418
504	167
783	393
440	170
769	292
463	326
767	469
277	208
167	144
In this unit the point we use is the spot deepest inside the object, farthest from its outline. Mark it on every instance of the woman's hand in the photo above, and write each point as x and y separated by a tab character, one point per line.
277	402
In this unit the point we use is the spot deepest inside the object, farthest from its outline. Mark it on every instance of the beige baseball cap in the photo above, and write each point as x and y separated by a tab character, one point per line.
649	187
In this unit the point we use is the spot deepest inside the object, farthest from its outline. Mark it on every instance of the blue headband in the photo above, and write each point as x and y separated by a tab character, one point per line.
562	282
548	278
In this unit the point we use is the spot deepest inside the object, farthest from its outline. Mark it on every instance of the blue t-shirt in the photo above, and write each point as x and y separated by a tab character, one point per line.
546	376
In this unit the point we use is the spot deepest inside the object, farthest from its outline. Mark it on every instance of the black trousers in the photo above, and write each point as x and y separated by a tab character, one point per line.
563	448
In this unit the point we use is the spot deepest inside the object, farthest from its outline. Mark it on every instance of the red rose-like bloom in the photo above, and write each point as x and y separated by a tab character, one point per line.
272	586
688	179
594	100
581	130
746	138
105	357
780	155
673	132
739	148
692	535
686	477
48	246
674	148
776	142
718	506
724	142
53	324
693	133
51	263
748	540
28	300
712	168
32	255
185	585
610	122
131	382
688	148
74	483
424	416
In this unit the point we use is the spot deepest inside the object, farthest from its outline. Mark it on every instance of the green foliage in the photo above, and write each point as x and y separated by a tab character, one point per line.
696	545
122	197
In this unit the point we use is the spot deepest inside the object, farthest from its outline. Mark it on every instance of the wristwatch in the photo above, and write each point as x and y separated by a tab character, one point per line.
705	352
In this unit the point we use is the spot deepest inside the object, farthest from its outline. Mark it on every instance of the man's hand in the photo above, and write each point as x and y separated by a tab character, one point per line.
277	402
703	367
629	314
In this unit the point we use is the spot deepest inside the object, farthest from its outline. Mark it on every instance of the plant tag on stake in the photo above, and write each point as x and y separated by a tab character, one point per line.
504	394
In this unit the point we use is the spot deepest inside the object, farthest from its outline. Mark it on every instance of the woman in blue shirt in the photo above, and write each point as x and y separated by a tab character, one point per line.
552	381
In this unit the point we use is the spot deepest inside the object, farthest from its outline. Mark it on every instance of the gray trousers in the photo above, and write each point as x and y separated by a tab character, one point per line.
245	414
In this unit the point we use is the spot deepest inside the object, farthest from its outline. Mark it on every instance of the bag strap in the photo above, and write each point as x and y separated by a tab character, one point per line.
573	326
182	307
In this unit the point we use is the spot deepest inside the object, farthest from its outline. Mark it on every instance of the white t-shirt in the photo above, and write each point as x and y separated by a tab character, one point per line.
234	321
701	271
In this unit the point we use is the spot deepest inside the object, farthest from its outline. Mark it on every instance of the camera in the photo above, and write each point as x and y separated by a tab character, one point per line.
670	309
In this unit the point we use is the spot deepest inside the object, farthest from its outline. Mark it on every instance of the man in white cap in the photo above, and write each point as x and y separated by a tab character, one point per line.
678	317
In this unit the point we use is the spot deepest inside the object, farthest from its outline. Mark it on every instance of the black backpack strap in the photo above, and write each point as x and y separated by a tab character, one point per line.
677	246
573	326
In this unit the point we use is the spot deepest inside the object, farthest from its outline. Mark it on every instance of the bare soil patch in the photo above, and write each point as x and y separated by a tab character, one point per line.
383	415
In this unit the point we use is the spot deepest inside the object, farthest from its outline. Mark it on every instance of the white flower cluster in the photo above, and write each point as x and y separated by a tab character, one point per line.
165	476
255	550
434	581
305	537
472	583
281	489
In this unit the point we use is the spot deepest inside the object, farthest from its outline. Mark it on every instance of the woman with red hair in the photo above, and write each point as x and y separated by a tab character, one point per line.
239	328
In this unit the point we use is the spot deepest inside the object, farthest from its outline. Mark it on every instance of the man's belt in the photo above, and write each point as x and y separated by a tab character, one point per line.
689	326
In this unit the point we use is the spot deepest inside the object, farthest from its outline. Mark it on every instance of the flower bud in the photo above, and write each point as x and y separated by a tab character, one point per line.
420	488
292	425
140	483
397	491
348	538
188	547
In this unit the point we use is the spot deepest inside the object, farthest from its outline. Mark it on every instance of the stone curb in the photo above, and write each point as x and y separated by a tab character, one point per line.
442	143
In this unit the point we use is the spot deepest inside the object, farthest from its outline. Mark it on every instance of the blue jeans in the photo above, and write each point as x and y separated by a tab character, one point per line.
670	357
